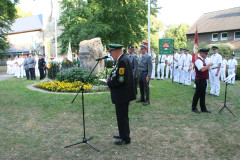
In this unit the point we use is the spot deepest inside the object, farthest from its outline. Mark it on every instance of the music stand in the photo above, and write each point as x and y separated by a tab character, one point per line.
225	106
84	140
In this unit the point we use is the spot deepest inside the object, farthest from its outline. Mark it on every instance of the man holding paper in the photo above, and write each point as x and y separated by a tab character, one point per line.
121	85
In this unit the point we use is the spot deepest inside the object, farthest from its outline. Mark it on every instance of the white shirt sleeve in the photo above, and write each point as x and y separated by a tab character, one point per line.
235	62
199	64
220	59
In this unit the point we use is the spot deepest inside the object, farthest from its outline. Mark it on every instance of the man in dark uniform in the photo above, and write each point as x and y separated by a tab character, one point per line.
202	75
134	63
121	86
145	75
41	66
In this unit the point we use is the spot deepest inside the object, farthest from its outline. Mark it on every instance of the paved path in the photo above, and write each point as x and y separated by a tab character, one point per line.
4	76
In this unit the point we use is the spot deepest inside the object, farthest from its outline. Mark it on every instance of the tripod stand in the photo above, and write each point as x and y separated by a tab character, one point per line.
225	106
84	140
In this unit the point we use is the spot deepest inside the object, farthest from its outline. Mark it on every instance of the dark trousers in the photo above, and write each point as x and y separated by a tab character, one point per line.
123	120
27	73
42	75
200	92
32	73
144	87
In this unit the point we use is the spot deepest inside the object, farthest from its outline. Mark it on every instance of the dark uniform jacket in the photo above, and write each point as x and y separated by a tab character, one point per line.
121	81
41	63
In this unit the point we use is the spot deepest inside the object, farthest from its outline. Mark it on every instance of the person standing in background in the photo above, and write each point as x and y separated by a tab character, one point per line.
175	65
187	68
153	56
182	58
20	62
31	66
162	59
134	63
169	66
37	74
232	68
41	66
216	59
25	66
223	68
145	75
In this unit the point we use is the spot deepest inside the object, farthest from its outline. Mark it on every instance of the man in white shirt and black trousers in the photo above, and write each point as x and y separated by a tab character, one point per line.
202	75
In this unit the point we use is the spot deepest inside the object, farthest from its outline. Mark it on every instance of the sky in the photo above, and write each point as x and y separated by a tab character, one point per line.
172	12
188	11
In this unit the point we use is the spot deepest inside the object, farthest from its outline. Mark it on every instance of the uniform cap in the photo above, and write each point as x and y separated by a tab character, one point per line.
205	50
175	49
214	47
233	54
114	46
143	47
181	49
131	47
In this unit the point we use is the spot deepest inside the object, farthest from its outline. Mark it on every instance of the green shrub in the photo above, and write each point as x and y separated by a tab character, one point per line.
238	72
67	64
53	70
102	73
75	74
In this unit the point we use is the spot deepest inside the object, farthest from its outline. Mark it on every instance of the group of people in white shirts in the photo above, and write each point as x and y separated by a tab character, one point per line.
16	66
180	66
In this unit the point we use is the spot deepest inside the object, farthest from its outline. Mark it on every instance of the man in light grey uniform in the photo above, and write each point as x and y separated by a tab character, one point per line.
25	66
134	63
31	66
145	75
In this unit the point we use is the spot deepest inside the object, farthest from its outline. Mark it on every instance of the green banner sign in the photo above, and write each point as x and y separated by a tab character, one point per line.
165	46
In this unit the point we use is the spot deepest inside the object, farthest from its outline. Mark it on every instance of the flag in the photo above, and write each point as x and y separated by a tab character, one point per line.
69	56
146	44
195	48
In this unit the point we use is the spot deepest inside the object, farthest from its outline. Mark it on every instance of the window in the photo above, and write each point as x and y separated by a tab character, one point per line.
215	37
224	36
236	35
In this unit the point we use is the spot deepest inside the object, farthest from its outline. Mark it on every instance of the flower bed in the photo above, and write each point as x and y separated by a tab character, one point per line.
64	86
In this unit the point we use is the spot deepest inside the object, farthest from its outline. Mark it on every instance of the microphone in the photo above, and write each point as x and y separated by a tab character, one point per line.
99	59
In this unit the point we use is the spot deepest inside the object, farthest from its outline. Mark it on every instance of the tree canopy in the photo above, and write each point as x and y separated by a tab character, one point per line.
118	21
21	14
7	16
178	34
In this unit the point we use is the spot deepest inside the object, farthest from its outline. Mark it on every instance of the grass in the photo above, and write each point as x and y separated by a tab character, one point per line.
36	125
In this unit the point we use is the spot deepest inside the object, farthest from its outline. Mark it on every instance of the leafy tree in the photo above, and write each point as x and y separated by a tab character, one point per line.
177	33
118	21
21	14
7	16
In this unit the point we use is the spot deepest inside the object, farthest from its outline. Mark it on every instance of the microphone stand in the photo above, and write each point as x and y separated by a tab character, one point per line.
84	140
225	106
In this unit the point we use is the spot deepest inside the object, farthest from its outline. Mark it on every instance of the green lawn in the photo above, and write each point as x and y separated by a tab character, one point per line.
37	125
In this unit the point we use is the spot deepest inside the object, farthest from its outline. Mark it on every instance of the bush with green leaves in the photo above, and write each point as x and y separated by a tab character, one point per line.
102	73
76	74
53	70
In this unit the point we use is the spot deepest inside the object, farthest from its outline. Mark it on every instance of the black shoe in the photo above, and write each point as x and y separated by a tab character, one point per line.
121	142
146	103
210	94
195	111
206	111
117	136
140	100
158	79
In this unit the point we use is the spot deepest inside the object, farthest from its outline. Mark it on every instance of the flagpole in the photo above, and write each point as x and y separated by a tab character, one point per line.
149	13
